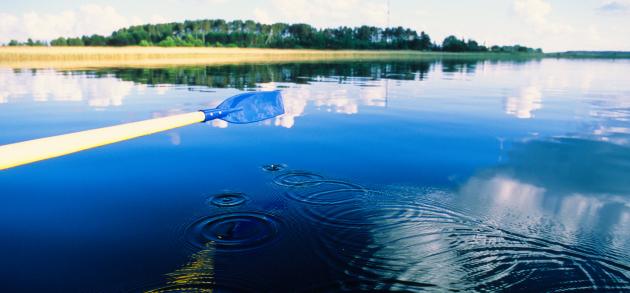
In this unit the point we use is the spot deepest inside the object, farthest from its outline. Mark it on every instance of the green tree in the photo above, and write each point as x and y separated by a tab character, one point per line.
61	41
424	41
168	42
248	33
94	40
453	44
75	42
121	38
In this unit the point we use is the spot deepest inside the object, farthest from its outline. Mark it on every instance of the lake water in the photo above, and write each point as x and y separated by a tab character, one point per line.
391	176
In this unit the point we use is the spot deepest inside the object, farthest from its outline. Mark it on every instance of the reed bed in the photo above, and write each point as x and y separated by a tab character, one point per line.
98	57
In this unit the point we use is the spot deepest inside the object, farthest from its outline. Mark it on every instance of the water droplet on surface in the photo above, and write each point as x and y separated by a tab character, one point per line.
274	167
233	231
228	199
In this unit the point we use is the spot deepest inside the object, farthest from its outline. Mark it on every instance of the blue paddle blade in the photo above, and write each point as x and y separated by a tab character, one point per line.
248	107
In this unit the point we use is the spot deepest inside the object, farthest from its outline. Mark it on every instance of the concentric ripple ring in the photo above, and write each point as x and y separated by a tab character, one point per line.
298	179
234	231
328	192
228	199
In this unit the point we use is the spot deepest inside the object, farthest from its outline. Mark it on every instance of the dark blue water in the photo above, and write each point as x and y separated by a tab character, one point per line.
381	176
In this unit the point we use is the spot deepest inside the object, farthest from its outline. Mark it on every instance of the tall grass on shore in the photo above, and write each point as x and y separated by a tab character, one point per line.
96	57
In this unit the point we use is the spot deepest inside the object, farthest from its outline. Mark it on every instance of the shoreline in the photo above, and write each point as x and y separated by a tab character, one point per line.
102	57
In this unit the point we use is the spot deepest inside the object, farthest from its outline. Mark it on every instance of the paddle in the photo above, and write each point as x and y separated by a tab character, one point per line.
243	108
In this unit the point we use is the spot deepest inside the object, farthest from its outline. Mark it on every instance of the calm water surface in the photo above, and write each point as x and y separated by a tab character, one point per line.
401	176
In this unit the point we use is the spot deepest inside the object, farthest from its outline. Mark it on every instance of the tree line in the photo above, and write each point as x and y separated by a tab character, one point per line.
250	34
247	76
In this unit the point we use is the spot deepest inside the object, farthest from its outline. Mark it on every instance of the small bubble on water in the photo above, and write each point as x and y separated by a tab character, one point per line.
274	167
228	199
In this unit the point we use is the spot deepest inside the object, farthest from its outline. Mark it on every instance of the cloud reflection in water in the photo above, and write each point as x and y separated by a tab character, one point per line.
50	85
539	193
523	106
329	97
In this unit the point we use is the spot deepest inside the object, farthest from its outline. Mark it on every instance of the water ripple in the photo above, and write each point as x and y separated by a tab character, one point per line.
429	245
375	285
369	235
298	179
328	192
233	231
199	287
228	199
274	167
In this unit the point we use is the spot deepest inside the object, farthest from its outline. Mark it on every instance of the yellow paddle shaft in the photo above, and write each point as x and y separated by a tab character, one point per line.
21	153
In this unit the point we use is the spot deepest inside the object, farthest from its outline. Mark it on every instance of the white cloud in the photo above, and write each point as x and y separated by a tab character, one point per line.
541	26
86	20
322	13
294	105
262	16
325	96
374	95
162	89
218	123
618	6
512	203
328	97
48	85
525	104
156	18
106	92
198	2
536	13
175	138
505	194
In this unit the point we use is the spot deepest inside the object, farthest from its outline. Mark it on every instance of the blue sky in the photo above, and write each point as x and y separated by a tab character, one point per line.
554	25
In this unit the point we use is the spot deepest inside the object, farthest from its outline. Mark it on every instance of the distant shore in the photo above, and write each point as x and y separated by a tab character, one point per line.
98	57
590	55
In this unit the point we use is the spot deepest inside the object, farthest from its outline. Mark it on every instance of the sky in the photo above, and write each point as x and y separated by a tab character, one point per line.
554	25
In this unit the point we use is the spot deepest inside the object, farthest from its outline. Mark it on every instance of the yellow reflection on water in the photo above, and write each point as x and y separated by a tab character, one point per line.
195	276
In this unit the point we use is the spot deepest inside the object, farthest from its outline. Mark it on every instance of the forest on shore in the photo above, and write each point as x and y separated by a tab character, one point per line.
250	34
